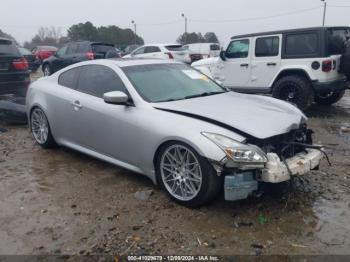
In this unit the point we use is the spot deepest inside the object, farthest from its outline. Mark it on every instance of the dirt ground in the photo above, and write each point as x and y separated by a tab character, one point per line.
63	202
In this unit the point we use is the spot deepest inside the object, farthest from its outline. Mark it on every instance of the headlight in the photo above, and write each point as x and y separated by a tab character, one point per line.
236	151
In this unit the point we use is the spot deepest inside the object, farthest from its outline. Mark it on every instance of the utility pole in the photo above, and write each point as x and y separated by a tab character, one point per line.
135	37
324	12
183	15
184	38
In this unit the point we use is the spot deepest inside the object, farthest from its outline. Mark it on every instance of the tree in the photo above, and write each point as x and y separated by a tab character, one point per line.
82	31
108	34
46	36
210	37
190	38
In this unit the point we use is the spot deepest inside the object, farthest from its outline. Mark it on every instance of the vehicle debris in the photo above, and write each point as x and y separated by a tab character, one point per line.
143	195
13	111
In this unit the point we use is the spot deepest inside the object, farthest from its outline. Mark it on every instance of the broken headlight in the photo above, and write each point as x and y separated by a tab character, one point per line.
236	151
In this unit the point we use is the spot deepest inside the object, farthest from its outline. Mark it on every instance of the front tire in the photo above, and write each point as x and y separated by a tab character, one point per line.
188	178
329	98
40	128
294	89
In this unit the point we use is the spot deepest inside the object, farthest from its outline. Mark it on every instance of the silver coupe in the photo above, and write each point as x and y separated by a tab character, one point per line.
173	124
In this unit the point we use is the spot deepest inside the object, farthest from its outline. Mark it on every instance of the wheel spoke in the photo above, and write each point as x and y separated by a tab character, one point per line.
181	172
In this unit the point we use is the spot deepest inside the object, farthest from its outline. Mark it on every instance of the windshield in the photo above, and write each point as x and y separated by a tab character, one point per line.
175	48
170	82
24	51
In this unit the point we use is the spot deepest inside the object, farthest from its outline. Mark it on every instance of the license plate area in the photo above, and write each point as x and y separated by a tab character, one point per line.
4	66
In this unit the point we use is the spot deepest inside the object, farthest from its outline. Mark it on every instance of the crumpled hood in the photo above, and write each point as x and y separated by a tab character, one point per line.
258	116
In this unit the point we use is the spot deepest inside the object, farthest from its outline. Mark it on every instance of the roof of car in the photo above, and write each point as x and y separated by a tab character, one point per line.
4	38
287	31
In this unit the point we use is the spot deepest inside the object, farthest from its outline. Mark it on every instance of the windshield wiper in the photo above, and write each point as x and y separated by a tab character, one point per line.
204	94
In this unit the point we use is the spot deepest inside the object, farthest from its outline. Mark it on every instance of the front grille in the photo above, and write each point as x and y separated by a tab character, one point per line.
289	144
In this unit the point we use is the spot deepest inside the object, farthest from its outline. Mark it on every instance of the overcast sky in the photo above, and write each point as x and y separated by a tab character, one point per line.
161	21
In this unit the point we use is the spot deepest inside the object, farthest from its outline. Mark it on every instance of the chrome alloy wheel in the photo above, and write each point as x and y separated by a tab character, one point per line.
39	125
181	172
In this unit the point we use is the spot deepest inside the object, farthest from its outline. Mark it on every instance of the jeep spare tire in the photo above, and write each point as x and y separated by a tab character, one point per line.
294	89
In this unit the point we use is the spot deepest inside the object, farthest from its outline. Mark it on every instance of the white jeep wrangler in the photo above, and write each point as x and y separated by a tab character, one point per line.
300	65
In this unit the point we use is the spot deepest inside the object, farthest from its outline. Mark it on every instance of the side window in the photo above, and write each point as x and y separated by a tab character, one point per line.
62	51
72	49
267	46
139	51
238	49
69	78
152	49
97	79
304	44
82	48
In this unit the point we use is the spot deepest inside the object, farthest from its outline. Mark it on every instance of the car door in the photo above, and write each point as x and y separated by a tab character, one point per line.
60	59
236	68
108	129
266	61
140	52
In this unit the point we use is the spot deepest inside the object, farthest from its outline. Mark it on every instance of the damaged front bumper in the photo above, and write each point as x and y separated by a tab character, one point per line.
240	184
277	171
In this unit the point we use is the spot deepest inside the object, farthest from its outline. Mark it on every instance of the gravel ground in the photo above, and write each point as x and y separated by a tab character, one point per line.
63	202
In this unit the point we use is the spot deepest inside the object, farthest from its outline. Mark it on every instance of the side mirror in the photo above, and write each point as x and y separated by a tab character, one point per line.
116	97
222	55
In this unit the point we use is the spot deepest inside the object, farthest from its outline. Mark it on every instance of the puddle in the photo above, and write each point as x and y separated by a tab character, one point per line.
333	226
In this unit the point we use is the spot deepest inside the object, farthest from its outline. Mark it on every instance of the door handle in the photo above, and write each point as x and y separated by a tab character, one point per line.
244	65
77	104
271	64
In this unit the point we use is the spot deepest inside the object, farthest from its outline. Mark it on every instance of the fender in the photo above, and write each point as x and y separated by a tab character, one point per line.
284	69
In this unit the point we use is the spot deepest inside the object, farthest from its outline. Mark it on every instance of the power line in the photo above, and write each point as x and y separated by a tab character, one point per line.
255	18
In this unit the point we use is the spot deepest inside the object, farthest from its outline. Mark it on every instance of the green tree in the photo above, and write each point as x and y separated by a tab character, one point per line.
108	34
210	37
83	31
190	38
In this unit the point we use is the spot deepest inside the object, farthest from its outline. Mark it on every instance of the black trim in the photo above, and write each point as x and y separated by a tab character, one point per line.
209	120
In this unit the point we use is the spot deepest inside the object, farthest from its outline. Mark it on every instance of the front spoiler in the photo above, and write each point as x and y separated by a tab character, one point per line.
276	171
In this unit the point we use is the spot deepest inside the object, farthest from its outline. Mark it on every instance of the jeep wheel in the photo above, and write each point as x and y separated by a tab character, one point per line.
46	70
329	98
294	89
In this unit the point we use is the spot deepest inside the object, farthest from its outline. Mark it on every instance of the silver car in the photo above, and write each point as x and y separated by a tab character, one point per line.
173	124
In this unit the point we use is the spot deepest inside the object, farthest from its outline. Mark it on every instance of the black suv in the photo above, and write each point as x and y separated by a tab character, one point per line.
75	52
14	73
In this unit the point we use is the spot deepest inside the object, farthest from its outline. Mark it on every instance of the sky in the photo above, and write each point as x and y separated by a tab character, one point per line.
160	21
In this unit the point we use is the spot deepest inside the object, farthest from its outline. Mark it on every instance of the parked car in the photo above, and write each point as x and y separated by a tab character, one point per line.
33	62
173	124
200	51
300	66
43	52
14	73
75	52
162	51
129	49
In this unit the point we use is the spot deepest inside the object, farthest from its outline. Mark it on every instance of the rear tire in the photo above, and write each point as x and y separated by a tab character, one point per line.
40	128
294	89
329	98
188	178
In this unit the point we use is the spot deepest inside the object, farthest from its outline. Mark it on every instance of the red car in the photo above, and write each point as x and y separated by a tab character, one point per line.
43	52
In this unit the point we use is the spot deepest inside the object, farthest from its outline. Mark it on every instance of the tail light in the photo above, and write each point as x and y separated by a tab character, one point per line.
20	64
90	56
170	55
327	66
